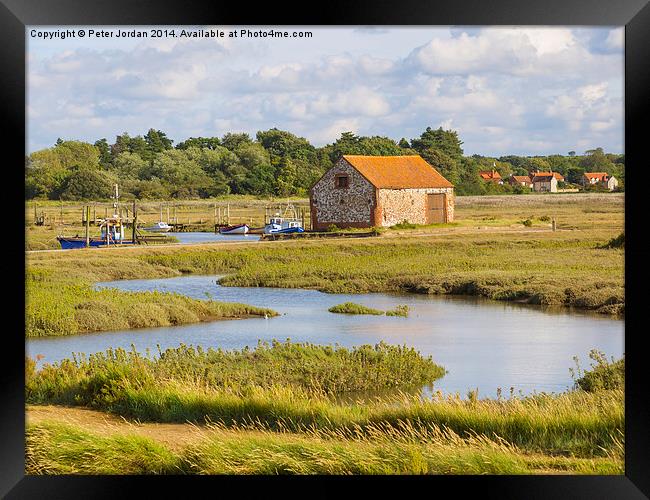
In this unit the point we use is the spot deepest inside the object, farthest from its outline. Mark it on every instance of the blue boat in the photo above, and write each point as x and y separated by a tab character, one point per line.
111	234
77	242
111	231
279	224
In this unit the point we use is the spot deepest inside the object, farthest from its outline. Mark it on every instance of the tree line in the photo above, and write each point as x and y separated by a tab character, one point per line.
274	163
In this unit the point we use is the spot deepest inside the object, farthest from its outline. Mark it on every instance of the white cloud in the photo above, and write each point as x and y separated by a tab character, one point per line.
592	93
615	39
500	88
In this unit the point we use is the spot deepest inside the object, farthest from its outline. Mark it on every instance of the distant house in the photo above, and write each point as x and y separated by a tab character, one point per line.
600	178
366	191
520	180
546	181
491	176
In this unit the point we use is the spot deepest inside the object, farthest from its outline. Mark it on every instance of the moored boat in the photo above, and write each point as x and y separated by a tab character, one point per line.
282	224
111	233
158	227
68	243
235	229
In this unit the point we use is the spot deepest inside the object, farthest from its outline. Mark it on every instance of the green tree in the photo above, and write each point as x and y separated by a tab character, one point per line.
87	184
104	149
595	160
46	169
200	142
446	141
286	181
281	144
233	141
157	142
351	144
129	165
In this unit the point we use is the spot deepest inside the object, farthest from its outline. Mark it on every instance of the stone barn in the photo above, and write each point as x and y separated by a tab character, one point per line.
366	191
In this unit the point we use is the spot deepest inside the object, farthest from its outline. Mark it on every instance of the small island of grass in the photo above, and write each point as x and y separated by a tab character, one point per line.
352	308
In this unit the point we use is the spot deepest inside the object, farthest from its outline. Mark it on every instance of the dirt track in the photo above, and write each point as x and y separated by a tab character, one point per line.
176	436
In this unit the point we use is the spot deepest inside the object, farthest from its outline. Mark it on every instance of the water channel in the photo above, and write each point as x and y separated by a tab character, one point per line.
483	344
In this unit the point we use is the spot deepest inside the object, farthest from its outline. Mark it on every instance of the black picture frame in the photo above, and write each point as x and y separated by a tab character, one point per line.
633	14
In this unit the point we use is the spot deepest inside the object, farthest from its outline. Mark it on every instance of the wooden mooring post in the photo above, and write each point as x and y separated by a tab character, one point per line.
553	224
87	210
135	223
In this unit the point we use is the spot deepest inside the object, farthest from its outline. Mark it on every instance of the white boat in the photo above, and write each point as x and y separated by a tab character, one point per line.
158	227
236	229
285	222
280	225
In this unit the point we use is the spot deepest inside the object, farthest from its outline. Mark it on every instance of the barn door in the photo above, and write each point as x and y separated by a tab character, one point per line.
436	208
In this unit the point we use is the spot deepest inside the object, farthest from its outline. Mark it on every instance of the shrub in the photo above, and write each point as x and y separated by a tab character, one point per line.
603	375
618	242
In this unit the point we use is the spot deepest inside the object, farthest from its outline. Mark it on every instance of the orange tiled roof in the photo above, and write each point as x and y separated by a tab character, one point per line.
398	172
596	175
521	178
489	174
548	174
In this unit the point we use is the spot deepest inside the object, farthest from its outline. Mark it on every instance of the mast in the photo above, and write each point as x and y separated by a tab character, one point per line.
116	195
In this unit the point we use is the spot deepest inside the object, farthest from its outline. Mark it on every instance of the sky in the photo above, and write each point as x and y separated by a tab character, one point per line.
506	90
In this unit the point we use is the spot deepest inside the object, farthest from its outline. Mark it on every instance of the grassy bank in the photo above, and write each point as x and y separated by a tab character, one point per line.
64	302
54	448
291	387
562	270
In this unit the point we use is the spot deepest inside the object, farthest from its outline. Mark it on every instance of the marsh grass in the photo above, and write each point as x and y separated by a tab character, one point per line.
61	300
290	386
308	367
546	268
53	448
352	308
401	310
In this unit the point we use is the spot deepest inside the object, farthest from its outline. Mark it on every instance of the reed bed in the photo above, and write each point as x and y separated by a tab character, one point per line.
313	369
